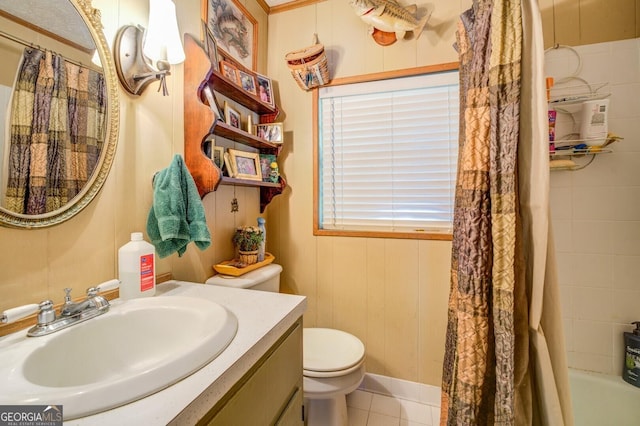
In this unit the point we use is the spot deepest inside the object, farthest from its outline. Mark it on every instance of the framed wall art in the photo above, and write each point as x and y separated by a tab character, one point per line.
246	164
234	29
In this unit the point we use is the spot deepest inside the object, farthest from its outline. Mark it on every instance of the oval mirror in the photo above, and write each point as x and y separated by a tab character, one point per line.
58	110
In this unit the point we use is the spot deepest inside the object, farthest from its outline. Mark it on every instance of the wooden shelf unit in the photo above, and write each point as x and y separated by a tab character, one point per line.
200	122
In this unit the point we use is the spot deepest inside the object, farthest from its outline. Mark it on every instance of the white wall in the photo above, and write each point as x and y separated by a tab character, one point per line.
596	215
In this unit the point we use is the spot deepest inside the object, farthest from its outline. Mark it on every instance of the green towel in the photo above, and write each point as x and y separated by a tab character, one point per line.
177	214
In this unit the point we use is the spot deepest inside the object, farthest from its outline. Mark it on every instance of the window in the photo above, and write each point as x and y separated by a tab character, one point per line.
387	156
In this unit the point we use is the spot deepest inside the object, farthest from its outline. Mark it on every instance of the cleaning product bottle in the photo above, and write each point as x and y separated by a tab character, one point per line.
631	368
263	244
136	268
552	114
594	122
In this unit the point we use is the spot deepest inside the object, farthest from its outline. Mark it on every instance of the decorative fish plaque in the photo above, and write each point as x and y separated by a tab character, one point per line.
390	17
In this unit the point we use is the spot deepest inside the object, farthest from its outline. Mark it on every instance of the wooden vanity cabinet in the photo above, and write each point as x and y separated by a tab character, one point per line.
270	393
200	122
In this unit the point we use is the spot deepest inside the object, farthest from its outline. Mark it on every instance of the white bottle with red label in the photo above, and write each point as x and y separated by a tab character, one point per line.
136	268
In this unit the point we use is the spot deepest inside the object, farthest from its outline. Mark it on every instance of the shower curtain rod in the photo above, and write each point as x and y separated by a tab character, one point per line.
35	46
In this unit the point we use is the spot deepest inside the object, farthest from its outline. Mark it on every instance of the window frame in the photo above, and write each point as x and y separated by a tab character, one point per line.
317	231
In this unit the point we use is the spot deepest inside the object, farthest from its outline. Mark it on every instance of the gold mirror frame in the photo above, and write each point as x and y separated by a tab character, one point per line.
92	19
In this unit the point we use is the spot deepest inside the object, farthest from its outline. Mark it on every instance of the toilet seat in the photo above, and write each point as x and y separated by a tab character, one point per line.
330	353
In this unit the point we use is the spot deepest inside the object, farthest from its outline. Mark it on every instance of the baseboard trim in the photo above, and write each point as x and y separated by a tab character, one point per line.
403	389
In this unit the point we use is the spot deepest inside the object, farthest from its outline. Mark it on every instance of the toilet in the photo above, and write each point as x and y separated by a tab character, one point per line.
333	360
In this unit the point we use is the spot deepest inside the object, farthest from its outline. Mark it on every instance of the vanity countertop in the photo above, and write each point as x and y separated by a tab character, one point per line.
262	318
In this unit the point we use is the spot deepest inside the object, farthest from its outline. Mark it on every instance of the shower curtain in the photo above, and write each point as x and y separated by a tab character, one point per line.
504	356
57	132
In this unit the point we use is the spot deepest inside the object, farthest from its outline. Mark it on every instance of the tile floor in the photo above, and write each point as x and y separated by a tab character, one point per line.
373	409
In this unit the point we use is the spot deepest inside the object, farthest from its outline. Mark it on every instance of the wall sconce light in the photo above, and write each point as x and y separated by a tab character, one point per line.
144	57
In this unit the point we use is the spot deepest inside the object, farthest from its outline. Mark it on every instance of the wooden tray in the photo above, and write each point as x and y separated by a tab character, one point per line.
227	268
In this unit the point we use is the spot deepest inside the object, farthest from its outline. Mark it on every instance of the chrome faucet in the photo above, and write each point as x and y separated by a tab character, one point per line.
71	313
92	302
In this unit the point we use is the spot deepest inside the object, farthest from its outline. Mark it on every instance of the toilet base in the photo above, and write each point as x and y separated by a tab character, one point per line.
325	399
326	412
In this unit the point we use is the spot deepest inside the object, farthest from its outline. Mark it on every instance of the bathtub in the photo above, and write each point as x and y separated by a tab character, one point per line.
602	400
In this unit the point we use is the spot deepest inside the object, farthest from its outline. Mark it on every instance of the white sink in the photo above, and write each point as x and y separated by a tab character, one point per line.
137	348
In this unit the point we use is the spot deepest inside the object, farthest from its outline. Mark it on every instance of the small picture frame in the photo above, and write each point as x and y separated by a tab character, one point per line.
248	82
217	155
230	72
231	116
228	165
272	132
265	165
245	164
212	101
265	91
209	141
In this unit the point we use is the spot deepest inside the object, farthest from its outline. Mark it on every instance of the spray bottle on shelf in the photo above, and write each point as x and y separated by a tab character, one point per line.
263	244
136	268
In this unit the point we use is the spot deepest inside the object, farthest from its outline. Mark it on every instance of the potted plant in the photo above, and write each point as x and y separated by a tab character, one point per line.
247	240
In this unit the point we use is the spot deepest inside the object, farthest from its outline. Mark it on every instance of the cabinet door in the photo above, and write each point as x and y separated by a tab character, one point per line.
292	414
268	391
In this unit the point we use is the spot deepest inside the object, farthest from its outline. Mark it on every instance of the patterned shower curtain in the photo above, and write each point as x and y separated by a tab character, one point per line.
479	365
505	361
57	132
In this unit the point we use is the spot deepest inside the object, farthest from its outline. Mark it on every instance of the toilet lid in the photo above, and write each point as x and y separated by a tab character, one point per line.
326	349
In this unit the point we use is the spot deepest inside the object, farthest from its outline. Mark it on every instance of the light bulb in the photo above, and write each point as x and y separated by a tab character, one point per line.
162	40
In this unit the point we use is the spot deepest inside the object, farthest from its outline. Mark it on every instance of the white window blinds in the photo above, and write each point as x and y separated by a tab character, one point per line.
387	154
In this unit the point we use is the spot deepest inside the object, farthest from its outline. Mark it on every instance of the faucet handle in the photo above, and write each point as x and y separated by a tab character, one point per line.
105	286
46	314
15	314
67	296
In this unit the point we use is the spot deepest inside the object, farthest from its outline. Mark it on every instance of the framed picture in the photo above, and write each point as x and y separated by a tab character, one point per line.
265	91
246	164
265	165
212	101
211	47
209	141
271	132
217	155
231	116
234	30
229	71
228	165
247	82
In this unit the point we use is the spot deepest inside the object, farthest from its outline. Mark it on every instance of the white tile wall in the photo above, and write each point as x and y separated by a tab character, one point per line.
596	214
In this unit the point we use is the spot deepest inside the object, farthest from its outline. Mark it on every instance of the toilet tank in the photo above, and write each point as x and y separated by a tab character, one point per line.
266	278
